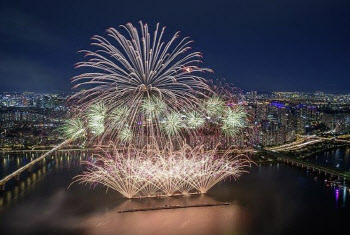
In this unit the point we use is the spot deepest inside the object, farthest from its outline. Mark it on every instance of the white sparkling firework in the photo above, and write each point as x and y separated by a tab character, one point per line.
214	106
233	121
153	172
195	120
73	129
96	118
172	123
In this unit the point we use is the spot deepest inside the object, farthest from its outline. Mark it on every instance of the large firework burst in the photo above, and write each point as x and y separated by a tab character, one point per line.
134	69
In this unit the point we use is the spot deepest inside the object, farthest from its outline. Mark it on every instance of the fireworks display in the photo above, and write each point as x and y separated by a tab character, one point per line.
153	78
147	96
152	171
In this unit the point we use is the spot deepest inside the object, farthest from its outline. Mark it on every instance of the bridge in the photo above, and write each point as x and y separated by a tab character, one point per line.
29	166
304	141
42	150
327	170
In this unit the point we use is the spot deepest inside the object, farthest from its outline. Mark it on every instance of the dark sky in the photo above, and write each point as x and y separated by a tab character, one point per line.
264	45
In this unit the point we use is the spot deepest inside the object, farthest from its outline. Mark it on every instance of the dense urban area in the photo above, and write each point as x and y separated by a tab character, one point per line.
30	120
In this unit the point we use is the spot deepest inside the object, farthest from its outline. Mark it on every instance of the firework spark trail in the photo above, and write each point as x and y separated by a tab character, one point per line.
152	171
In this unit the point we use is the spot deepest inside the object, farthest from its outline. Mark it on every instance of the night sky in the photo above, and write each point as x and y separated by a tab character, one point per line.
259	45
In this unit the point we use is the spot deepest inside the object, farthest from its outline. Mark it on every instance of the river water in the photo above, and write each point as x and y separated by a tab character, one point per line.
338	158
272	199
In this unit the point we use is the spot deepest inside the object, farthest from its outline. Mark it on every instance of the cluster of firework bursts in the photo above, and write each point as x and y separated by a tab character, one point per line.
151	171
171	126
148	98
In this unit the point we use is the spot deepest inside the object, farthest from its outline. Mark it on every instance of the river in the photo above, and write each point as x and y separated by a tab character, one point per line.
271	199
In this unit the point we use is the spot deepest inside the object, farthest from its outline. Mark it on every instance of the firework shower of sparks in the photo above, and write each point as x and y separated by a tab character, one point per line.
152	171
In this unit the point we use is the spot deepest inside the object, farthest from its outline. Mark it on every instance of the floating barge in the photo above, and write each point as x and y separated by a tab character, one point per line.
167	207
